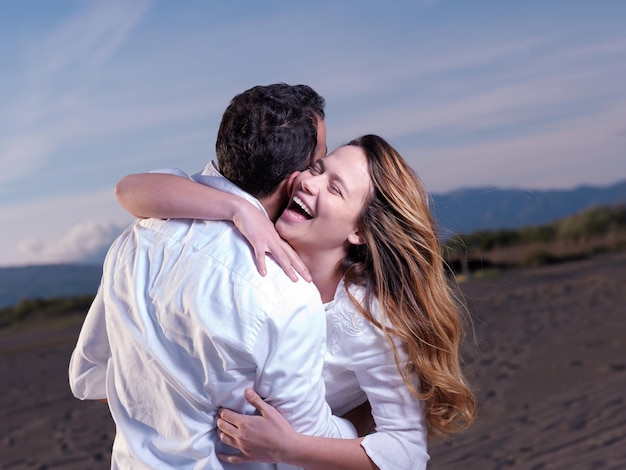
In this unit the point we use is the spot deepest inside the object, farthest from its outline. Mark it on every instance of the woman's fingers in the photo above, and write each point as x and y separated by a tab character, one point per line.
233	458
225	424
297	263
259	258
282	253
226	431
258	438
288	259
227	439
255	400
283	261
262	236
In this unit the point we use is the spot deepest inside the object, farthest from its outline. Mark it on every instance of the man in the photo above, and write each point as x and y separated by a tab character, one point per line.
183	322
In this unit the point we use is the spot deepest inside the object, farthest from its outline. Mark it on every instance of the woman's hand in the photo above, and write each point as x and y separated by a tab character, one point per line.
168	196
261	234
270	438
262	438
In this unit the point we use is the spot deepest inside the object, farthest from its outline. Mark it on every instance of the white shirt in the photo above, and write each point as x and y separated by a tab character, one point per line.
181	325
360	365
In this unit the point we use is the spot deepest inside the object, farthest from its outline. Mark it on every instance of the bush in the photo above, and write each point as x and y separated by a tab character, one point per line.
592	222
533	241
53	307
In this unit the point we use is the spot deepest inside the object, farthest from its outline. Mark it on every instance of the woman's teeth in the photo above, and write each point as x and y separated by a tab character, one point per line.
302	206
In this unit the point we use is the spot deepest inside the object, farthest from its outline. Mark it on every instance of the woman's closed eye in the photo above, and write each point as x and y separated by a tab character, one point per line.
335	189
318	169
315	169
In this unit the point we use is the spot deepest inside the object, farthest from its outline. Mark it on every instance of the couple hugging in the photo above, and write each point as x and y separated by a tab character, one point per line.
211	356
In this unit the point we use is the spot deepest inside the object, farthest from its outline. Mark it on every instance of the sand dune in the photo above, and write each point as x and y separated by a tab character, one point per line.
548	363
550	368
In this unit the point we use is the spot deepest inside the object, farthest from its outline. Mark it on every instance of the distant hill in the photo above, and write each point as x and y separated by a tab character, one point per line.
458	212
58	280
468	210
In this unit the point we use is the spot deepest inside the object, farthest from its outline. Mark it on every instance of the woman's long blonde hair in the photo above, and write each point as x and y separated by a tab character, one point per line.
401	267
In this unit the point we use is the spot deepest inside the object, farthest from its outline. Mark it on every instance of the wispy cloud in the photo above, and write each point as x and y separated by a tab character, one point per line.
548	157
480	79
80	46
22	154
60	68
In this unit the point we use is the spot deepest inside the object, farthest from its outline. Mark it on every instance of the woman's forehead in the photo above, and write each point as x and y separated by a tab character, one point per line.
349	165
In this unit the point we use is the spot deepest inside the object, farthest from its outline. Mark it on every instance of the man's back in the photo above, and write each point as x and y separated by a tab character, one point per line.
189	324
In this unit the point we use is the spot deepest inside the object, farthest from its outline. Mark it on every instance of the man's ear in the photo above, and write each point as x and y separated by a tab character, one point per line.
355	238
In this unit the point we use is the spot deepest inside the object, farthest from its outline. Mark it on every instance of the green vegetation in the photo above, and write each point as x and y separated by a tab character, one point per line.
592	231
44	308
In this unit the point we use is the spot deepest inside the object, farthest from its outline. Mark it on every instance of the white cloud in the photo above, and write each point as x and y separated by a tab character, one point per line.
71	227
86	242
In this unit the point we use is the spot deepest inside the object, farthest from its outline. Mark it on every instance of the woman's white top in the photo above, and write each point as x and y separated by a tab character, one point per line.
360	365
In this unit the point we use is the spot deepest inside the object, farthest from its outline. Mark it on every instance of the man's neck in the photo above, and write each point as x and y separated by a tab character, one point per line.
276	202
273	206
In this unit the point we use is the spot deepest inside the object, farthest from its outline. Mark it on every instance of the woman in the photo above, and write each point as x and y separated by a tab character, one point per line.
360	221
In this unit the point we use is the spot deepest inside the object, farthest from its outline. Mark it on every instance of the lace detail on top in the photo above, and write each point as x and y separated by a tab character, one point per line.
343	319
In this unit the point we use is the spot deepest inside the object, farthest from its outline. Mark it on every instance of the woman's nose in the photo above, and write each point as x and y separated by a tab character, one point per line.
309	185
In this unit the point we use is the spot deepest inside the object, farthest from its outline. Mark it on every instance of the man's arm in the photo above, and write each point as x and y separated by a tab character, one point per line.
87	369
291	377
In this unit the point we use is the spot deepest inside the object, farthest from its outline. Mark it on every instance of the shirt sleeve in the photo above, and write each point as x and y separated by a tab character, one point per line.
400	440
294	345
88	364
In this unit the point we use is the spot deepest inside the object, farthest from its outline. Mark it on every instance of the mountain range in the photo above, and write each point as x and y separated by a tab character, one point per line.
460	211
469	210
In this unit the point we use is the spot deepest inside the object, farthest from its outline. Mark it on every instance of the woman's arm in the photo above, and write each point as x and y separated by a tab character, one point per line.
169	196
270	438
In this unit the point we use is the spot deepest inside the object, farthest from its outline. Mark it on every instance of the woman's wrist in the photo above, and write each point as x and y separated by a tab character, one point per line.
293	450
239	210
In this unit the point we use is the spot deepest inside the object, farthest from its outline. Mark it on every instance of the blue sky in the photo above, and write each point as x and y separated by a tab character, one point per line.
484	93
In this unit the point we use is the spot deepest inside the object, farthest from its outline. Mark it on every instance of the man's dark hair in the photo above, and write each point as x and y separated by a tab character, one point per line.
267	133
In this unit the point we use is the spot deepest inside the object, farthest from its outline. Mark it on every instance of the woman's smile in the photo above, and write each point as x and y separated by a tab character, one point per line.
327	200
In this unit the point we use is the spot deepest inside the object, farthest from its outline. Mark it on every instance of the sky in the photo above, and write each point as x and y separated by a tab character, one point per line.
475	93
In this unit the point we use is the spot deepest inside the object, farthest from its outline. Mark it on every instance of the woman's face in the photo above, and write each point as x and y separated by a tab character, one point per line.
326	201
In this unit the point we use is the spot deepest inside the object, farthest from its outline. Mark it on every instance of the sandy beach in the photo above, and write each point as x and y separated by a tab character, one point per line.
547	358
